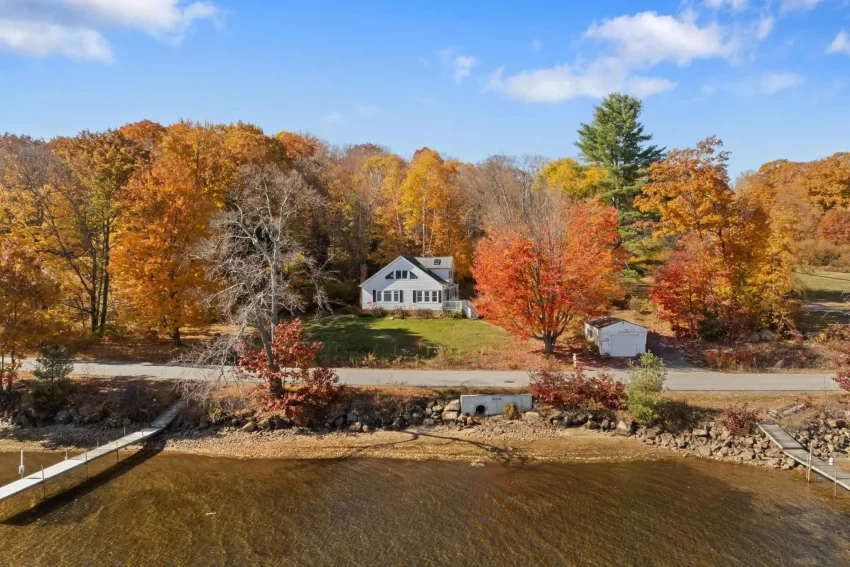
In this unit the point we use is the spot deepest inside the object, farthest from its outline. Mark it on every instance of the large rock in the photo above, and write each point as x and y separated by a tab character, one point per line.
747	456
453	405
63	417
532	416
592	424
94	418
623	428
449	416
249	427
356	427
766	335
700	432
704	451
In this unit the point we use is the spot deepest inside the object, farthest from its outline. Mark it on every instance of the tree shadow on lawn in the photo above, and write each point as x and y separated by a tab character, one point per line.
348	341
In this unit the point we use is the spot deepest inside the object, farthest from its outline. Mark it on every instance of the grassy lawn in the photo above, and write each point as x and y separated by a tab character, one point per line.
372	341
824	286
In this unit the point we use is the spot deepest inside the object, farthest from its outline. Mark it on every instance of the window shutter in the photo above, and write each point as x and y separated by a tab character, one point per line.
440	296
401	296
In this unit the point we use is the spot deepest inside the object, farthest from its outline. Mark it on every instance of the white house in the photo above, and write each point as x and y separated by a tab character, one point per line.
616	337
410	282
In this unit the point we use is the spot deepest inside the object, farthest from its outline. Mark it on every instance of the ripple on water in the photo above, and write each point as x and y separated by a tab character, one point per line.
188	510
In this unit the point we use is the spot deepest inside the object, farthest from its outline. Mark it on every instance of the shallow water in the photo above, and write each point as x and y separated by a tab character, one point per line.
169	509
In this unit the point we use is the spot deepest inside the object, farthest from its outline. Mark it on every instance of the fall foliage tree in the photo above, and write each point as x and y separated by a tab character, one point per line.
834	227
28	296
733	269
538	280
292	363
575	180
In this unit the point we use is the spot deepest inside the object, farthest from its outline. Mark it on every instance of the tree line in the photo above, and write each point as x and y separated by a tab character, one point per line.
152	228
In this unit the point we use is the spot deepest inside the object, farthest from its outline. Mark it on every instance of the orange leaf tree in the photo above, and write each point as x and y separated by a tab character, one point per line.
27	294
538	280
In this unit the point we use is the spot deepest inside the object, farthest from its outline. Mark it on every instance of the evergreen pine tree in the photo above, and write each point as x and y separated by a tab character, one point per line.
616	140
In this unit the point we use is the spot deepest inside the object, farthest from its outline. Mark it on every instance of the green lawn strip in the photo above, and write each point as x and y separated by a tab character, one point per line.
349	338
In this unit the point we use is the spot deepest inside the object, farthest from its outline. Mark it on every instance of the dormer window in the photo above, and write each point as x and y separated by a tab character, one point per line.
390	276
436	261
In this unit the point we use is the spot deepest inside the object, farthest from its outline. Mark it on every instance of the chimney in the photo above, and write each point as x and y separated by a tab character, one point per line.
363	273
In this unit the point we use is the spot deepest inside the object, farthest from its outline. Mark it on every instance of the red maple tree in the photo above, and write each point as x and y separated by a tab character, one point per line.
311	387
538	280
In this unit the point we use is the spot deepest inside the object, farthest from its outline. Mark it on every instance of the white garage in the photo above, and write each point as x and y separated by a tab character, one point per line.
616	337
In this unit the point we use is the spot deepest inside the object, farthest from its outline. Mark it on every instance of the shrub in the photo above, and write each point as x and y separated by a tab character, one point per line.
571	390
512	412
378	311
399	313
646	382
422	313
53	389
643	406
739	419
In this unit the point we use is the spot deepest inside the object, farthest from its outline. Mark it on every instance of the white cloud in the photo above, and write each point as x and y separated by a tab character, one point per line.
764	26
648	38
330	119
368	109
773	83
536	45
643	87
74	27
40	39
564	82
841	44
463	65
786	6
733	4
636	43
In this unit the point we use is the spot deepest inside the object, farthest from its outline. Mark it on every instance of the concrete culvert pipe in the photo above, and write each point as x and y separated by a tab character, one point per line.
481	410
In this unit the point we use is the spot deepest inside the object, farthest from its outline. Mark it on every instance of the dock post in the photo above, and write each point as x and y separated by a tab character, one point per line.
809	465
117	456
87	465
21	467
835	482
43	485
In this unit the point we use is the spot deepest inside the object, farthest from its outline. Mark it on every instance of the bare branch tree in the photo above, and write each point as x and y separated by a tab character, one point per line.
256	254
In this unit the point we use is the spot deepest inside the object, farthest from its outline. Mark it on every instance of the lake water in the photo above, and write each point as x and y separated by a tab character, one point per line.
167	509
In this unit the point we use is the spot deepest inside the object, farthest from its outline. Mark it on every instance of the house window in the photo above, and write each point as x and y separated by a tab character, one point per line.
398	296
388	296
437	261
413	276
417	297
391	276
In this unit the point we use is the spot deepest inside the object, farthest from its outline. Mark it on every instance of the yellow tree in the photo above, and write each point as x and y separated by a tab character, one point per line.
690	191
433	210
169	205
747	236
574	179
386	174
27	298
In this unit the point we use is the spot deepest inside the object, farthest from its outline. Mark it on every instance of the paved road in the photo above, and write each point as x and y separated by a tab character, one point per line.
678	380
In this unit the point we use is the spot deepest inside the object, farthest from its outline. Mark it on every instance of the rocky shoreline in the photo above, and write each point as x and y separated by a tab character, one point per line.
496	437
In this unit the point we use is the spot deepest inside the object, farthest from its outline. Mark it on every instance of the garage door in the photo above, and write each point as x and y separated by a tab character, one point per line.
623	345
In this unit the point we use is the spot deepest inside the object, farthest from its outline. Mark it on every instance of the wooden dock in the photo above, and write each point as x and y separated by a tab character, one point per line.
64	467
793	449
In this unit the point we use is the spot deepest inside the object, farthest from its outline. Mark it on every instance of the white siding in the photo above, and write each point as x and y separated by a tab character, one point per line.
380	283
444	273
621	339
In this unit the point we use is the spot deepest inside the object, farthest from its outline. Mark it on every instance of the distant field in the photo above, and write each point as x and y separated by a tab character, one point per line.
825	286
361	341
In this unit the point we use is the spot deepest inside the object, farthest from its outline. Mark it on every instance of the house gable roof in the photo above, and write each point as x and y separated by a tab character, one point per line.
602	322
439	262
413	262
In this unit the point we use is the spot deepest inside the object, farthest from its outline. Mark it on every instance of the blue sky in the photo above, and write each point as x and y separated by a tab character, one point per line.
470	79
